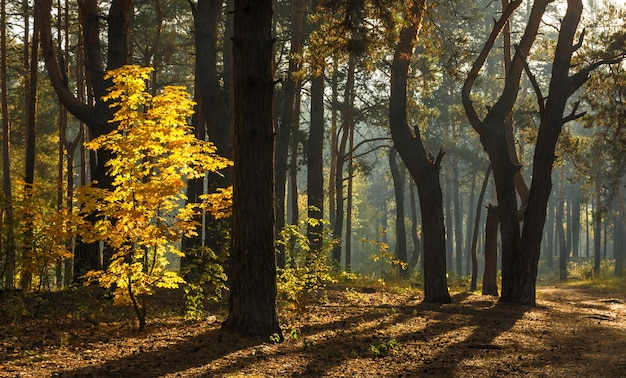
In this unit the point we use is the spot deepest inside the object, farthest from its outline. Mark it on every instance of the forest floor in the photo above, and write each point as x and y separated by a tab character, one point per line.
356	332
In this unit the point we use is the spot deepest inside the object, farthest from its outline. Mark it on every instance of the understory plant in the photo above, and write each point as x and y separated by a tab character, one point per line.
307	271
143	215
205	280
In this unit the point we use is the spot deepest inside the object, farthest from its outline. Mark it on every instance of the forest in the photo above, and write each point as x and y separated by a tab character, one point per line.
312	188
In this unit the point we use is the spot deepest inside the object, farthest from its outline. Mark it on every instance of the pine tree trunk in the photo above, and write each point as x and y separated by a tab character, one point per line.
398	186
346	126
474	246
9	246
252	302
423	169
315	159
490	283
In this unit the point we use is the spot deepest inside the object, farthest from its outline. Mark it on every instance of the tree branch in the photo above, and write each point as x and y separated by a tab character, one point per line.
534	83
472	115
573	116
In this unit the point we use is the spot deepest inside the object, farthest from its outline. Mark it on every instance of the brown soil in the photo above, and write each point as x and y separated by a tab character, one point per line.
573	332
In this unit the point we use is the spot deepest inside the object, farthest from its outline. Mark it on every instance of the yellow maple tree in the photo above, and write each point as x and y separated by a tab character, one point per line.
144	215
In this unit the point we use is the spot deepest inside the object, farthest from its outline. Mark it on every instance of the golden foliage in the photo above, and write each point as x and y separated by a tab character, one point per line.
143	215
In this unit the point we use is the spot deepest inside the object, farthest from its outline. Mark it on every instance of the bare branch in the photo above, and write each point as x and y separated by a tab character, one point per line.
534	83
573	116
580	41
472	115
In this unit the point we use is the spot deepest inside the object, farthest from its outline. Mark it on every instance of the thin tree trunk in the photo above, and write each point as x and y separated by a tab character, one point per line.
479	206
468	228
315	168
398	185
341	157
597	230
563	250
334	144
348	236
9	268
458	217
28	251
286	124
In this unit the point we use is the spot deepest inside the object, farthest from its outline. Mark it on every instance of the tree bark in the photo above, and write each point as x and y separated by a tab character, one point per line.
425	171
96	116
398	186
287	122
473	248
346	125
563	247
9	247
562	86
252	302
315	160
490	283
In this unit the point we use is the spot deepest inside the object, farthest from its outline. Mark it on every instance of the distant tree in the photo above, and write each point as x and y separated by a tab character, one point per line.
252	302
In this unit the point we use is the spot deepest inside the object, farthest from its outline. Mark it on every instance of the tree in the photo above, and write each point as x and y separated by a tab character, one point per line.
212	118
154	151
252	302
315	148
398	185
97	115
423	168
8	224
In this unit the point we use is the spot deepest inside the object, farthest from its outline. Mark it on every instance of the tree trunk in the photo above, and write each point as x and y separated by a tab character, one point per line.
286	126
479	206
252	302
576	202
417	243
334	145
448	219
424	170
490	282
31	64
458	217
468	228
398	186
562	86
619	242
341	157
563	250
597	230
96	116
292	186
349	200
9	247
315	160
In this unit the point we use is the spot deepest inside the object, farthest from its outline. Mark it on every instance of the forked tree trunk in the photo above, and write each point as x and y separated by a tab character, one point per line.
424	170
562	86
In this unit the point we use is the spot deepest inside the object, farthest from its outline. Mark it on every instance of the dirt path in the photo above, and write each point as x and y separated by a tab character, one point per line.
573	332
